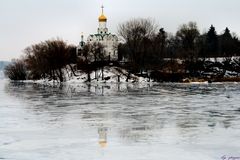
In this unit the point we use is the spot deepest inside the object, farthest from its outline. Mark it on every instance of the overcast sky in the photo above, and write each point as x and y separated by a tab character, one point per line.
25	22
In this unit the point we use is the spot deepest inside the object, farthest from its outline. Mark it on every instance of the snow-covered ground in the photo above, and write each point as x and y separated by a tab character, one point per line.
111	75
221	59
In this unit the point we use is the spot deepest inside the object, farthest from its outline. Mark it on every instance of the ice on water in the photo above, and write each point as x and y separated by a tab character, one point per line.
119	121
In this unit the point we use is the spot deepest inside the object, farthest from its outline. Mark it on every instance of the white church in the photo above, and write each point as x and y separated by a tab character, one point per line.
104	37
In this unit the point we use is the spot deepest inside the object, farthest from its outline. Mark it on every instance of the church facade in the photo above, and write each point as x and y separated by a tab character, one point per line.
104	37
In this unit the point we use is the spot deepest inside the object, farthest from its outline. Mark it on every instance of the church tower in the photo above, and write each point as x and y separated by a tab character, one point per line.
105	38
102	29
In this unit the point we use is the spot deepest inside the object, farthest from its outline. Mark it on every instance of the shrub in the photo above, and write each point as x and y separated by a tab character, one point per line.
16	70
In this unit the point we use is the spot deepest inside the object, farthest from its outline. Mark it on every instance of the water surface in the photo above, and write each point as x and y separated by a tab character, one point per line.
119	121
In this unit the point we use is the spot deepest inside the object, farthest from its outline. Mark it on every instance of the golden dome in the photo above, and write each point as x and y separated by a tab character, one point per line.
102	18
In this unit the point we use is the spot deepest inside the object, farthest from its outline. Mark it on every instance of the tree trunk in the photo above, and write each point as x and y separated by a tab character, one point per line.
89	77
128	76
102	73
60	75
72	70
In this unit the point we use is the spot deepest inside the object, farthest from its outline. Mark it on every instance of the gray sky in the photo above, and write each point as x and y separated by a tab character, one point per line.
25	22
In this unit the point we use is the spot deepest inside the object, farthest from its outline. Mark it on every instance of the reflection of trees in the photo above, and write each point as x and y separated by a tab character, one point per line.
137	132
135	111
40	100
140	117
206	106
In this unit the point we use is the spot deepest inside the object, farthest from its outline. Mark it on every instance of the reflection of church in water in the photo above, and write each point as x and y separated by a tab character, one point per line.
102	132
104	37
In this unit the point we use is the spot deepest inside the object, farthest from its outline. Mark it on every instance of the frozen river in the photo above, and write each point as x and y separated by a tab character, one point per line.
120	122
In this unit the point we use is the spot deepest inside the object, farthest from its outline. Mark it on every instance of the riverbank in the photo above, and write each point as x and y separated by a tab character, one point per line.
114	74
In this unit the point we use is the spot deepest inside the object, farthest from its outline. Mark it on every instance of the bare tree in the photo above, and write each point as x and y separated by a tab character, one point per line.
16	70
48	59
188	34
93	58
137	34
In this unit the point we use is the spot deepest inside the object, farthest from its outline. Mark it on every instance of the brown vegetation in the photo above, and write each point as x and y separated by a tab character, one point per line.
16	70
49	59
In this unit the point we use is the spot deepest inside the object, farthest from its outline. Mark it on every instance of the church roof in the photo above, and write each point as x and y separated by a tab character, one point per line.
102	35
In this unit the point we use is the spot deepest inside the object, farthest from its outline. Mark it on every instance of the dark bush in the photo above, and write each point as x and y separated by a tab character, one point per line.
16	70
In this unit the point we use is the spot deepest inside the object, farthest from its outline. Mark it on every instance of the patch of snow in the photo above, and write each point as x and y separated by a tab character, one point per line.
230	74
110	75
205	82
221	59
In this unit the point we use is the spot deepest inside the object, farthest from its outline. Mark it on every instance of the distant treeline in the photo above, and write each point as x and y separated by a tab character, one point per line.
144	43
144	48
